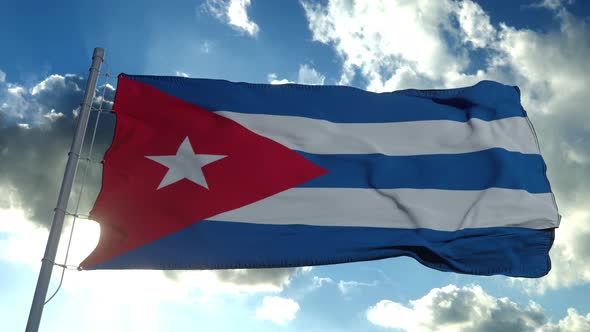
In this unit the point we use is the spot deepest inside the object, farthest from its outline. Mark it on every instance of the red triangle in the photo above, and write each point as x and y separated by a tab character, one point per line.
132	212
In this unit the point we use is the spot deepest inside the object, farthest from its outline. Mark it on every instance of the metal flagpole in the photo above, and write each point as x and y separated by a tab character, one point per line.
64	195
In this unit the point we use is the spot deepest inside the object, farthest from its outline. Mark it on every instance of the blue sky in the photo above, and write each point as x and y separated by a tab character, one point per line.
541	46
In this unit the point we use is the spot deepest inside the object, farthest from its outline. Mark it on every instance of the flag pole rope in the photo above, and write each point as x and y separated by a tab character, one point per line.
77	156
102	111
75	215
92	161
69	267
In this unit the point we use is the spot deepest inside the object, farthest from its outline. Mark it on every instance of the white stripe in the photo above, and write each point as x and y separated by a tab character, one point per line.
394	138
445	210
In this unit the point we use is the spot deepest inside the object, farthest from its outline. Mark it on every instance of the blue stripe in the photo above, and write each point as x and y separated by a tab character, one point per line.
518	252
486	100
480	170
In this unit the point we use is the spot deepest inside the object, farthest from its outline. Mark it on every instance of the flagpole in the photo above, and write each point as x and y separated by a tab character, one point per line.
64	195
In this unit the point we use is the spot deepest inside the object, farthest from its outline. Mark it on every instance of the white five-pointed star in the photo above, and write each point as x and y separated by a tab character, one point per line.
185	165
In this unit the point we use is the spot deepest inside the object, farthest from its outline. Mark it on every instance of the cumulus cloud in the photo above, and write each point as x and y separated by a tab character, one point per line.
53	115
234	13
305	75
471	309
12	102
277	309
32	166
37	129
42	103
573	322
476	28
375	39
274	79
431	44
308	75
57	92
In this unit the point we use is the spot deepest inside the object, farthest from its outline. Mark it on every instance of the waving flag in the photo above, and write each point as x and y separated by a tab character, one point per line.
209	174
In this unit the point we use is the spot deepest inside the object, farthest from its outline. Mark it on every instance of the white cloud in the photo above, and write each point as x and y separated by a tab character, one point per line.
234	13
475	25
273	79
2	76
376	38
277	309
180	73
56	93
103	98
53	115
424	47
346	287
470	309
553	4
13	102
306	269
308	75
23	241
305	75
551	68
318	282
573	322
50	83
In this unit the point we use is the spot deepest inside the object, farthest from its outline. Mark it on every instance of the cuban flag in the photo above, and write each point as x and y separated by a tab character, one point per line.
210	174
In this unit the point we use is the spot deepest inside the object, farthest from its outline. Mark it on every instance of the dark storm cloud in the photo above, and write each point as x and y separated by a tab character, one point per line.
36	130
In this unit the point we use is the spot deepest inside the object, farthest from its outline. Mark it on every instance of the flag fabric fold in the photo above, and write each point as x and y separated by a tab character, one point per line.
210	174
